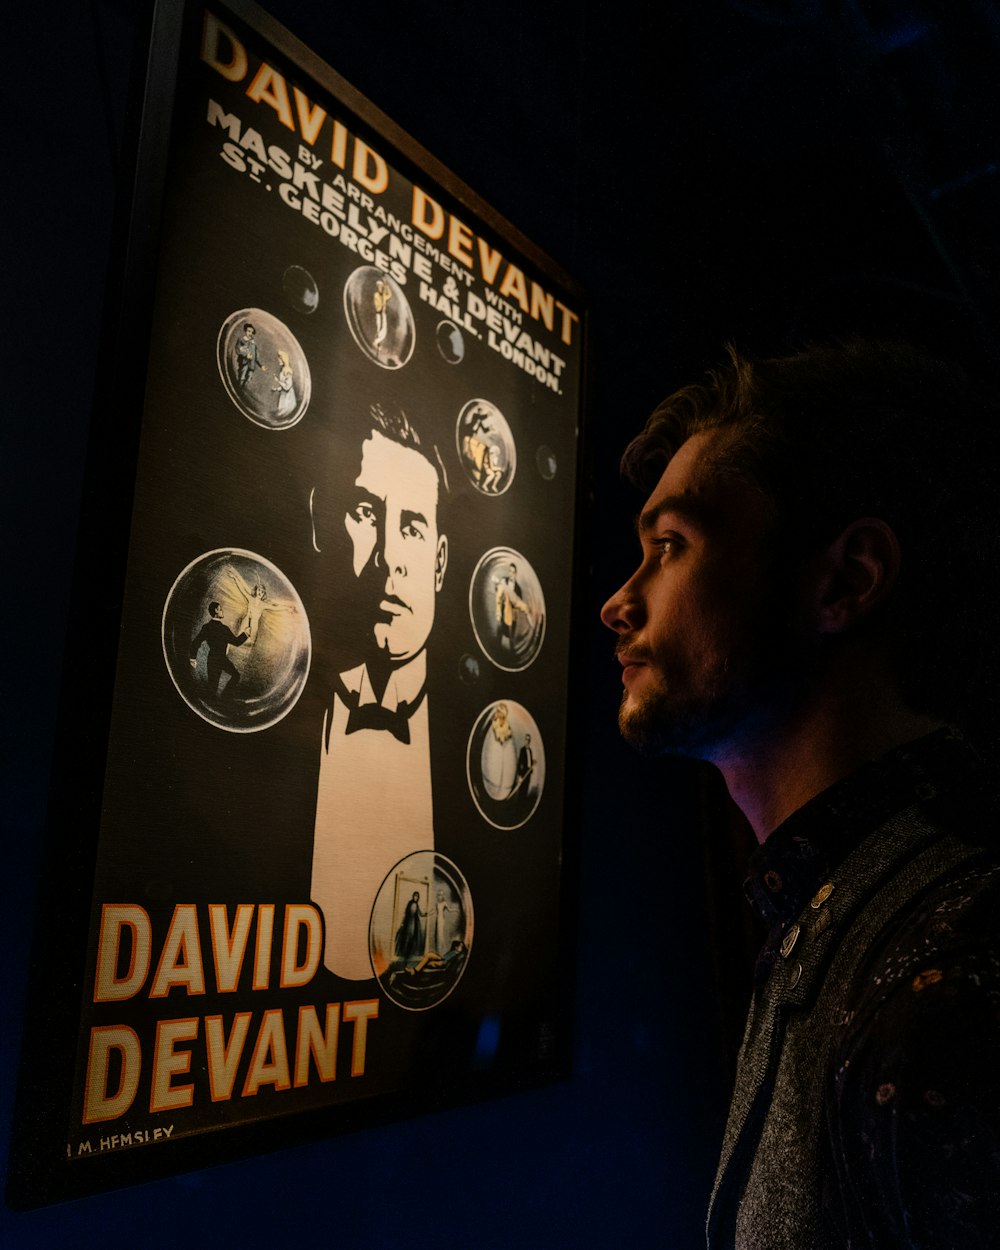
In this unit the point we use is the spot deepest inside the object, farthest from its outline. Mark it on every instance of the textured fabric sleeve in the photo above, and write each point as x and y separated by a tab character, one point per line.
915	1100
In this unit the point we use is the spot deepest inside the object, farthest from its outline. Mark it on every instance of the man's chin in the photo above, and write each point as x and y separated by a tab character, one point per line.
385	641
640	723
391	650
653	727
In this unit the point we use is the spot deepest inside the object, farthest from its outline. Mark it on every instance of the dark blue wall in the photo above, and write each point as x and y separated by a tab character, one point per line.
718	172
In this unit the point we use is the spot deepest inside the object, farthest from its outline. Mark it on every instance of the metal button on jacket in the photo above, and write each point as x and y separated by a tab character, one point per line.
789	940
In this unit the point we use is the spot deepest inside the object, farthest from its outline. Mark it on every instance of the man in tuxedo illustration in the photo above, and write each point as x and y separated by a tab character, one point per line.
509	602
219	638
374	802
525	760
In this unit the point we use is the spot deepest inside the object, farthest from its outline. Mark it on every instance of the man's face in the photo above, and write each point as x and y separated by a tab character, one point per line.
704	625
398	555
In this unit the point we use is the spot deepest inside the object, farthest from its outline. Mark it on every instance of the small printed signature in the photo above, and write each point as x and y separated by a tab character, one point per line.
117	1141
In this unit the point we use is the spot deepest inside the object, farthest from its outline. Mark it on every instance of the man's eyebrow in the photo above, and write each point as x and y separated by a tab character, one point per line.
360	495
407	518
693	509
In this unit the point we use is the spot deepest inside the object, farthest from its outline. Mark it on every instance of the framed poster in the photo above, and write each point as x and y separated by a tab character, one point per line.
307	863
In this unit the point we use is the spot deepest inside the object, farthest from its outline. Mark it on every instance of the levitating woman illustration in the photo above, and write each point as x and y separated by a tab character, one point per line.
257	604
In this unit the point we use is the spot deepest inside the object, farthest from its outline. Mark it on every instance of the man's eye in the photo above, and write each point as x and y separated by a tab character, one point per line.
411	531
667	545
364	512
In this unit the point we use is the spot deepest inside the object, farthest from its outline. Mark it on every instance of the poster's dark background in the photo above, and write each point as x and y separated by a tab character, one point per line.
755	170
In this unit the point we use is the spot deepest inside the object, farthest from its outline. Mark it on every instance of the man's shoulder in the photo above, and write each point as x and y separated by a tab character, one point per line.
914	1102
947	936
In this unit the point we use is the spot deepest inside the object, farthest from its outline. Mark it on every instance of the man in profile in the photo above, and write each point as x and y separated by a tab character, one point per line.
374	801
818	550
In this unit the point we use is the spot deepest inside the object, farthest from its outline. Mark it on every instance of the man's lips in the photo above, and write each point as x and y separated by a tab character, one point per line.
629	653
393	605
632	661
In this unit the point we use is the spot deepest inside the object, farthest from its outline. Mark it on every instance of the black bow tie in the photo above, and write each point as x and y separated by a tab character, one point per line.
375	716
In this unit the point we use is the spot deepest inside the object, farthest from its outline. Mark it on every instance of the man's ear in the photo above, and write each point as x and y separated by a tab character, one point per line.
440	562
857	572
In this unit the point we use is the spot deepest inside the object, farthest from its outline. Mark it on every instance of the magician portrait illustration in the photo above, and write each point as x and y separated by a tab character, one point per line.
377	523
328	861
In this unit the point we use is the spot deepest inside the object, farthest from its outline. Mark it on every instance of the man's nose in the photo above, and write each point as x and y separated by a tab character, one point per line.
623	611
393	554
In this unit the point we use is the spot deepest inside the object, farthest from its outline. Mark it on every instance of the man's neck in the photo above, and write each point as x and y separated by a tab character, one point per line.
378	672
776	773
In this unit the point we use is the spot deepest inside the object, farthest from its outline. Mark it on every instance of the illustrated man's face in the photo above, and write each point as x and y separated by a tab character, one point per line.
249	332
705	638
217	612
398	554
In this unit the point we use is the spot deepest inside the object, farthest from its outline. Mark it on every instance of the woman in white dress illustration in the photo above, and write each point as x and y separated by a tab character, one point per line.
285	388
499	756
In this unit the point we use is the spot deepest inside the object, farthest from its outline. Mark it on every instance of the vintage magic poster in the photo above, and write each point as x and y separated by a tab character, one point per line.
329	869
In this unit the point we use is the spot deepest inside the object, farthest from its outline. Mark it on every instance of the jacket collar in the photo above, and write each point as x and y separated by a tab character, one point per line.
801	855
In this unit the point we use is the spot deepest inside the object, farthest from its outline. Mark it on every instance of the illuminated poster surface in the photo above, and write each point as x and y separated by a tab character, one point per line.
329	863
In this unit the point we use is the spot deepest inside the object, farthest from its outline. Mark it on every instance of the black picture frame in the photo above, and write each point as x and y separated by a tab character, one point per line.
176	920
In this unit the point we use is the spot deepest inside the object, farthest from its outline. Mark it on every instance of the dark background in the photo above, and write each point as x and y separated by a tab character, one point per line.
762	172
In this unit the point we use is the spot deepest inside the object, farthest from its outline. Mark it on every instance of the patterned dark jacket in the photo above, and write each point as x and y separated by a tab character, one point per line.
867	1104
